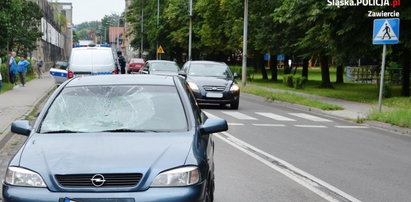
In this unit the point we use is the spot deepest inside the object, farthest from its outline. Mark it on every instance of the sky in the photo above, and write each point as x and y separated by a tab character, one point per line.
91	10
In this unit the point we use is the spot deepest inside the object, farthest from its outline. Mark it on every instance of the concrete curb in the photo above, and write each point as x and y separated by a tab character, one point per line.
7	133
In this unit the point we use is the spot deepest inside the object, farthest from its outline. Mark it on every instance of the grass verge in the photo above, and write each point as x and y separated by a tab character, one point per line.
400	114
399	117
289	97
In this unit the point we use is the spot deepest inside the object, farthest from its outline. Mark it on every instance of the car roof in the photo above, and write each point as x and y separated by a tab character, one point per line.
206	62
133	79
159	61
91	48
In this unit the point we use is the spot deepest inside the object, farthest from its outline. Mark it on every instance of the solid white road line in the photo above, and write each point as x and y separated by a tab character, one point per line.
351	127
239	115
274	116
319	187
310	126
310	117
269	125
235	124
211	116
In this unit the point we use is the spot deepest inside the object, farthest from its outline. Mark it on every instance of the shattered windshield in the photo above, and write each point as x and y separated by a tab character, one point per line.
116	108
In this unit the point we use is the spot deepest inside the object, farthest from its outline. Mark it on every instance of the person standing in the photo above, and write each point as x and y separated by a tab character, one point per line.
13	70
22	67
39	64
121	62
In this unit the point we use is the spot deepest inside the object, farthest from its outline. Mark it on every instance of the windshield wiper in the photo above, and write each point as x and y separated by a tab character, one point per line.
126	130
62	131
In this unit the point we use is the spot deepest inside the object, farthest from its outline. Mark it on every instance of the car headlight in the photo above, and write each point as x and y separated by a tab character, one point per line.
235	87
177	177
193	86
23	177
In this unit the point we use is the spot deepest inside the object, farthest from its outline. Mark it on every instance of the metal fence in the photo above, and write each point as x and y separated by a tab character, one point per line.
371	74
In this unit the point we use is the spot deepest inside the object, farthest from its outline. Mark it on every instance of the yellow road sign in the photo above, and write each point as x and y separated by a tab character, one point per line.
160	50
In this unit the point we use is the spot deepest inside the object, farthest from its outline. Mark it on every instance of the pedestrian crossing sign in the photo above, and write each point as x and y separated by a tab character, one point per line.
386	31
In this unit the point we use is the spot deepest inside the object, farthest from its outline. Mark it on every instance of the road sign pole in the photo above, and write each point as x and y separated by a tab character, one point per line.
245	33
384	50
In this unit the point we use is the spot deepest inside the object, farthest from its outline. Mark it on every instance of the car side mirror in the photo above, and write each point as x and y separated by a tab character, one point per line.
21	127
182	74
236	76
214	126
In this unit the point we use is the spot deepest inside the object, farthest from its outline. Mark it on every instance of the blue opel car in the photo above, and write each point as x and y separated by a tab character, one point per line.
116	138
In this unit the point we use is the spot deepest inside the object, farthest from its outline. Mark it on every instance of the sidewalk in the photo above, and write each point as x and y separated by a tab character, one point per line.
352	110
16	103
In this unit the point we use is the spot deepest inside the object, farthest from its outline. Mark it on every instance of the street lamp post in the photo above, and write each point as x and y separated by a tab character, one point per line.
158	23
142	29
190	35
245	33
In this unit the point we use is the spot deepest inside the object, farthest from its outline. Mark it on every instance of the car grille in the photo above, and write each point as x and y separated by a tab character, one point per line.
112	180
214	88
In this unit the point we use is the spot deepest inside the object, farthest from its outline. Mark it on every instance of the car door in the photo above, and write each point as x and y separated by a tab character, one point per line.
59	73
145	69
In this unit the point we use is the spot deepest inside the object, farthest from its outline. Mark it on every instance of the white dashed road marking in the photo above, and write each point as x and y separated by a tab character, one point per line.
274	116
235	124
310	117
309	126
269	125
239	115
351	127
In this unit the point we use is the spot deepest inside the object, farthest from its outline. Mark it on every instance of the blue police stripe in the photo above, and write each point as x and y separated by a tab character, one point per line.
58	74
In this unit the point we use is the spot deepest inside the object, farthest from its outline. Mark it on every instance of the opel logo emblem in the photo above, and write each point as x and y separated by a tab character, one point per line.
98	180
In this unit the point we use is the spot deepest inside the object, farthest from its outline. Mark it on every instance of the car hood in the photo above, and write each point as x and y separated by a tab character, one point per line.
209	81
86	153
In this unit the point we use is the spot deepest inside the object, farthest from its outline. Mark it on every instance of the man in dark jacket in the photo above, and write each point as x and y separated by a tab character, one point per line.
121	62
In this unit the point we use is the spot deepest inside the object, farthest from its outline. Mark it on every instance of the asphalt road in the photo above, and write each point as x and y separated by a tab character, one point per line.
342	160
275	153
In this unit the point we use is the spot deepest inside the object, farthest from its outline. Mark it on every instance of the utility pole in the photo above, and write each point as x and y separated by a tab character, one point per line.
158	23
190	35
142	29
245	33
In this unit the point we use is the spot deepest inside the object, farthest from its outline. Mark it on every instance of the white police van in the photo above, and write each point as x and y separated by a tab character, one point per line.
86	61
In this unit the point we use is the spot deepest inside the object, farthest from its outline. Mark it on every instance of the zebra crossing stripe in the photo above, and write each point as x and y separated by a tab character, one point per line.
274	116
211	116
239	115
310	117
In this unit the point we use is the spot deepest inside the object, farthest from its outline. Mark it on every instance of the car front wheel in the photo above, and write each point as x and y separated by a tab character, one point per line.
235	104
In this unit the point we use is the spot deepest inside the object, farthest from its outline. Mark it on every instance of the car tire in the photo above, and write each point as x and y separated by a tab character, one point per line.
209	197
235	104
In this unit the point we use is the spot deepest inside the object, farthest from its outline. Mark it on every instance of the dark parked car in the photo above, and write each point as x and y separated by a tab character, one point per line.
160	67
213	82
135	64
116	138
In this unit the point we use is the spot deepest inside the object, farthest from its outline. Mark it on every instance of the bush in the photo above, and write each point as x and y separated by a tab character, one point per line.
300	82
387	91
4	73
288	80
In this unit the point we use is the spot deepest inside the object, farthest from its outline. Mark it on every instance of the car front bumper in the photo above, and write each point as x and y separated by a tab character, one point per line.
29	194
228	97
